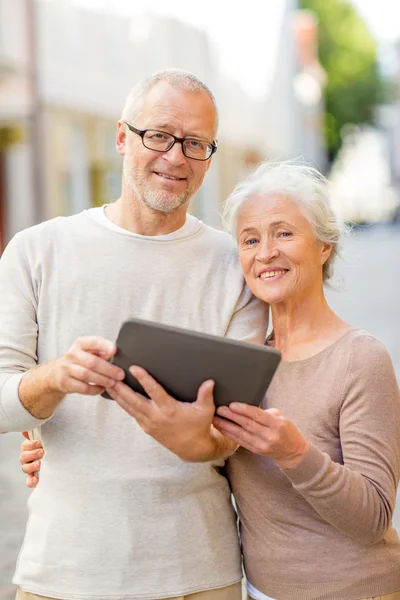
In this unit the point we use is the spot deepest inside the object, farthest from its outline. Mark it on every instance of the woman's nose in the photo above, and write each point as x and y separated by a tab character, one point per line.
267	251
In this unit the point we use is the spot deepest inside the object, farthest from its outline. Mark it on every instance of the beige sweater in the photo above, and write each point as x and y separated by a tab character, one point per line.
323	529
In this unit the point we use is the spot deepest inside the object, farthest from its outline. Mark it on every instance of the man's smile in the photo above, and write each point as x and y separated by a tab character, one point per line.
169	177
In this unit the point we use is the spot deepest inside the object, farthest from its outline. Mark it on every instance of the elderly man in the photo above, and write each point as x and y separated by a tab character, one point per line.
116	515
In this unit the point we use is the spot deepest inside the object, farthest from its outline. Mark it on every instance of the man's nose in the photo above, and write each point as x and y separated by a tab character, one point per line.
175	155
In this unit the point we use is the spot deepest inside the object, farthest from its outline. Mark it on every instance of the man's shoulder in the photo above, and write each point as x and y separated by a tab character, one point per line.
218	247
218	234
219	240
52	228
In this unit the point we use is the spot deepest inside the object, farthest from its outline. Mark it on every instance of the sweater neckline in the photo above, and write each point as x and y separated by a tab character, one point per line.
191	226
321	353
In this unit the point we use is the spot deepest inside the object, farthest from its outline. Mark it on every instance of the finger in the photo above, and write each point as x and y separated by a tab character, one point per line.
32	467
98	365
205	397
29	456
86	389
131	408
32	481
96	344
30	445
244	438
226	427
88	376
248	423
151	387
134	404
234	437
265	417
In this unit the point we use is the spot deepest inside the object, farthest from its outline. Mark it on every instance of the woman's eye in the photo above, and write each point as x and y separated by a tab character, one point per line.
251	242
284	234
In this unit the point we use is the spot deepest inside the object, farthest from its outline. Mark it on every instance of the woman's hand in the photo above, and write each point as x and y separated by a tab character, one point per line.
264	432
185	428
31	453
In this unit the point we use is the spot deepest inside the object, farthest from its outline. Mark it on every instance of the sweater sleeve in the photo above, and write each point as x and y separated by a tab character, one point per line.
249	321
358	496
18	335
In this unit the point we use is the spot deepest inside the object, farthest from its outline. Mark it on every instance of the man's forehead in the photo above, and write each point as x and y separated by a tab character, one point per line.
165	107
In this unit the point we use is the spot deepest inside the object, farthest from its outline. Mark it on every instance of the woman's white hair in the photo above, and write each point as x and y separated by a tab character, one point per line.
296	181
180	80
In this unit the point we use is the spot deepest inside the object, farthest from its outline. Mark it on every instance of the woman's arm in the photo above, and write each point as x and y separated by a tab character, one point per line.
357	497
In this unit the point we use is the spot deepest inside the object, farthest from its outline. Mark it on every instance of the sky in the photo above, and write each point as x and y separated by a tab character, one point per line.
381	18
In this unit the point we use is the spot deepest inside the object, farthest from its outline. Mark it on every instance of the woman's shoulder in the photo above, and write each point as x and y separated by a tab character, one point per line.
368	360
362	344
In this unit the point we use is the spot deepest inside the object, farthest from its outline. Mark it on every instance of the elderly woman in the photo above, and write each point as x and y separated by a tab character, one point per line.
315	478
316	473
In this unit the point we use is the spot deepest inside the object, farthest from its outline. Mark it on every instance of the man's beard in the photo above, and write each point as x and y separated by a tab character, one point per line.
160	200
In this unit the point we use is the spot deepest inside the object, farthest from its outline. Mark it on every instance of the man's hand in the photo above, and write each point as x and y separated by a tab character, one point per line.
185	428
84	369
31	453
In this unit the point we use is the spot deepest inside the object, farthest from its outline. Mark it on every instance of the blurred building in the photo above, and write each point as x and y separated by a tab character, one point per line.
65	72
387	118
16	112
381	198
309	82
361	182
390	120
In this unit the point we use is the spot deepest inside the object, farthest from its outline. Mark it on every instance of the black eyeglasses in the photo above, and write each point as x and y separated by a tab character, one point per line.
160	141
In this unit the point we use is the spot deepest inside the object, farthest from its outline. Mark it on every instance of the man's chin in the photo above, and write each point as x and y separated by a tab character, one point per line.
166	205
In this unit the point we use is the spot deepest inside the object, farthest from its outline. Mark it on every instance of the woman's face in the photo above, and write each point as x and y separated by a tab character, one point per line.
280	257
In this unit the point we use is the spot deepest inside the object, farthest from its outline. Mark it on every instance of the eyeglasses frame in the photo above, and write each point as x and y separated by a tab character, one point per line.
141	133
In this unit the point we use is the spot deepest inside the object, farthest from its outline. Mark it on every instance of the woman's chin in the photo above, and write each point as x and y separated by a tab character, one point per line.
269	295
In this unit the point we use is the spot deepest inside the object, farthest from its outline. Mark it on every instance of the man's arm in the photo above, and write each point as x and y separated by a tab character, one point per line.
249	321
29	393
84	369
18	333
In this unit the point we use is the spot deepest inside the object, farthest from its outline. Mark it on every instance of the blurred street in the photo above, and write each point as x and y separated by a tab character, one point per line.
369	298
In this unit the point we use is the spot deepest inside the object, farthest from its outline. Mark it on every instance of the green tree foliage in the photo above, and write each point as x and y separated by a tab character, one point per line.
348	53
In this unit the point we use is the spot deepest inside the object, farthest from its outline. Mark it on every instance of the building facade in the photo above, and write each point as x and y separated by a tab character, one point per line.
65	74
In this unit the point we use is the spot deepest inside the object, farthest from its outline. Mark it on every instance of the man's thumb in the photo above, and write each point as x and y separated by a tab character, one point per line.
205	395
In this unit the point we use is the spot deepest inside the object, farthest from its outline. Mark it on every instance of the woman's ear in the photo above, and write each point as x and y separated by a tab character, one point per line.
325	252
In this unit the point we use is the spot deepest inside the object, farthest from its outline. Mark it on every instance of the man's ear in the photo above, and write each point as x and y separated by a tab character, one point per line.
210	160
121	138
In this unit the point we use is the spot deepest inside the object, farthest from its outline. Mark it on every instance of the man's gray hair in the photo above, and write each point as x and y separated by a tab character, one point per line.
301	183
180	80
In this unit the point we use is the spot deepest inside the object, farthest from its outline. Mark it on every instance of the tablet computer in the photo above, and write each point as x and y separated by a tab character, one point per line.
181	359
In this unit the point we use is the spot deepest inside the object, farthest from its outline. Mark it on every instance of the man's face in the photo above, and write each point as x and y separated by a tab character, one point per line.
165	181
